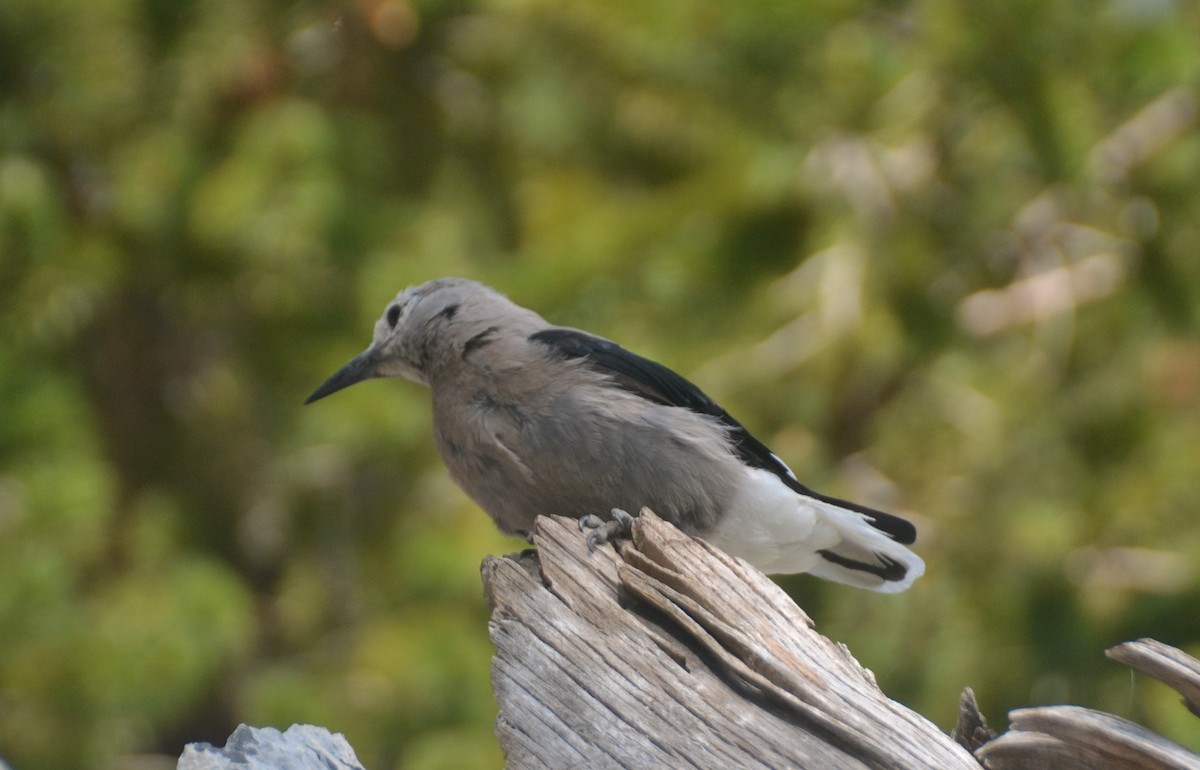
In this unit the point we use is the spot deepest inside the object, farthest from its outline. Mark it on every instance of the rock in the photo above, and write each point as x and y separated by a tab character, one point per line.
301	747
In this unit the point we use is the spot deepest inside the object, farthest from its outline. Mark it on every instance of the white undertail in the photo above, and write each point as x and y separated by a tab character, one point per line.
780	531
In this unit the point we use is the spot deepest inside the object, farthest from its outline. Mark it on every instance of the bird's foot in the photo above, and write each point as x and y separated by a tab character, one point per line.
600	531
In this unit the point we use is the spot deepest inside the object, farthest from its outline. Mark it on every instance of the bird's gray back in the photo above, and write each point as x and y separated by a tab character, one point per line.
526	434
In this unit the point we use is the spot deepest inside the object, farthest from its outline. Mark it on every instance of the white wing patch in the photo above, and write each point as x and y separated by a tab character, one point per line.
780	531
771	526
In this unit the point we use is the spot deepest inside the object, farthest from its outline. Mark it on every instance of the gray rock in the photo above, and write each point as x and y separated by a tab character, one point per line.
301	747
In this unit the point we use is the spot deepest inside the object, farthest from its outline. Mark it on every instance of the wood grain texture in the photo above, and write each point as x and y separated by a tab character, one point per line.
667	653
1070	737
673	654
1171	666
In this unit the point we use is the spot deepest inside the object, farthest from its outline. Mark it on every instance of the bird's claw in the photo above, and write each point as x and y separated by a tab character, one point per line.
600	531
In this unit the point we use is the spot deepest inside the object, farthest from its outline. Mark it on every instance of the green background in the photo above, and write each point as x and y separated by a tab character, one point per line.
944	257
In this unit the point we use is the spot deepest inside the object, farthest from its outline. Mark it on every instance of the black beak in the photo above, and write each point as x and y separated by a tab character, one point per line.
361	367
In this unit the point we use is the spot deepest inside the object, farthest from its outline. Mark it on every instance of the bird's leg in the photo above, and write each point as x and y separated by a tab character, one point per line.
527	536
600	531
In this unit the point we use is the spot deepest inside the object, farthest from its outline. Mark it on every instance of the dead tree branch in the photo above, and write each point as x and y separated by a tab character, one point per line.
666	652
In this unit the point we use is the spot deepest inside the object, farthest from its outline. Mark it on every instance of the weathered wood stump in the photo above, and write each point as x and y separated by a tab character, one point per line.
673	654
666	652
1075	738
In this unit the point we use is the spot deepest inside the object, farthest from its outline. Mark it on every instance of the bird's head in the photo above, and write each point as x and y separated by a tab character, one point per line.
418	330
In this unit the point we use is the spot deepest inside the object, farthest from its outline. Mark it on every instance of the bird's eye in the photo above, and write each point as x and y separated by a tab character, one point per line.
393	315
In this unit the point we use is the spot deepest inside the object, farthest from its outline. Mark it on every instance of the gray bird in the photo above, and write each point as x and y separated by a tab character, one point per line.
534	419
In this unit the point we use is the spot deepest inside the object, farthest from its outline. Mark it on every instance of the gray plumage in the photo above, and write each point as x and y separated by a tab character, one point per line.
533	419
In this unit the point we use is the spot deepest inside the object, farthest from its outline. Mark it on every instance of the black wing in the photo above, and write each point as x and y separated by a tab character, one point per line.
657	383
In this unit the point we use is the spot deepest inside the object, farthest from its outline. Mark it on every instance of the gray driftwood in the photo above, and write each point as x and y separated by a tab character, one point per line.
1075	738
675	655
1174	668
1070	737
667	653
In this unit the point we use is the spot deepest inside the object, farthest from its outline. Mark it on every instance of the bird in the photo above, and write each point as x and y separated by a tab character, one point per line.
535	419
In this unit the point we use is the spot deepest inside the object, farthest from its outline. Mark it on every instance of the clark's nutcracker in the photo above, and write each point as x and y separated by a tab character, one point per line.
536	419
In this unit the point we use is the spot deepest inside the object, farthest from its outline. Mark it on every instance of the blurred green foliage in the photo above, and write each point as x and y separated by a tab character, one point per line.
941	255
